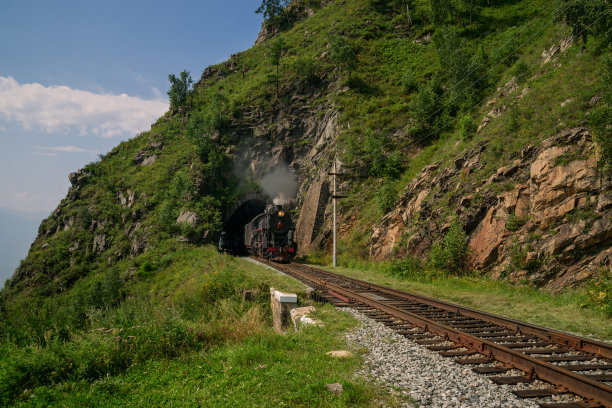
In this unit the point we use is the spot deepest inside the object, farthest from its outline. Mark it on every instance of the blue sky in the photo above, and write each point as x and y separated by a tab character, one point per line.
78	77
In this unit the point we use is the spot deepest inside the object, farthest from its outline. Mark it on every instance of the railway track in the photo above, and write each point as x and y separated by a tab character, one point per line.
493	345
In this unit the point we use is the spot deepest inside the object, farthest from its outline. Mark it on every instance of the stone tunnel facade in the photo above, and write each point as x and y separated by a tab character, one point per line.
312	215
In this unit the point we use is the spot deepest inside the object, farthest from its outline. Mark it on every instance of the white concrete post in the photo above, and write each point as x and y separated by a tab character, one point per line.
282	303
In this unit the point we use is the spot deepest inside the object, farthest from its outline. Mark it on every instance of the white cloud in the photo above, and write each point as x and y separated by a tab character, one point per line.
28	201
62	109
64	149
54	150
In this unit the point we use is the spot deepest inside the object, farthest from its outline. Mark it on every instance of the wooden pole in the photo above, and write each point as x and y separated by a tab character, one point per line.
335	231
335	196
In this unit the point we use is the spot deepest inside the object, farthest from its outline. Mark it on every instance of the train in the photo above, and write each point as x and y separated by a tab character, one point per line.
231	244
270	235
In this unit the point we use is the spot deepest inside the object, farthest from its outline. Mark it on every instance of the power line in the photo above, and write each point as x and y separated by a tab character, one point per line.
490	69
485	98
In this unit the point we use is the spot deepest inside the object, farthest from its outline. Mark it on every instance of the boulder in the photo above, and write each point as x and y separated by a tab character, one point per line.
339	354
299	317
424	39
78	178
334	388
188	217
139	156
149	160
99	243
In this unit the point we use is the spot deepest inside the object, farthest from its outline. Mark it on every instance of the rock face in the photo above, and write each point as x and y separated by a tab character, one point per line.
311	216
187	217
553	227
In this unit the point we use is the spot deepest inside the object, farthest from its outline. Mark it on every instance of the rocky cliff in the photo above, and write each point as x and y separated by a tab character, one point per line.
550	225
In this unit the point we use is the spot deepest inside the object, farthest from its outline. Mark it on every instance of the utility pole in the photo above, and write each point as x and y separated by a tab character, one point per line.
335	196
335	226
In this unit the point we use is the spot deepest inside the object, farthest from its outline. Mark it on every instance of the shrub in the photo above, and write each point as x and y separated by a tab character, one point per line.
427	107
405	268
146	269
167	214
521	71
409	82
514	223
508	51
467	127
307	70
450	254
600	292
385	197
381	163
600	118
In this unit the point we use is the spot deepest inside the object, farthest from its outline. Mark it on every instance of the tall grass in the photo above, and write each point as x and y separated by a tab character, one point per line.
114	338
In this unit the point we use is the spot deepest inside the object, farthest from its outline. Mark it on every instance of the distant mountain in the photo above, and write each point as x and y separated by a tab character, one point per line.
17	231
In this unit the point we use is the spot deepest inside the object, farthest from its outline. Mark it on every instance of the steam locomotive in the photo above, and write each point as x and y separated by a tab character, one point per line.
270	235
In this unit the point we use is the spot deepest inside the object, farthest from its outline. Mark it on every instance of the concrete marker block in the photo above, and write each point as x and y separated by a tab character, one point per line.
281	304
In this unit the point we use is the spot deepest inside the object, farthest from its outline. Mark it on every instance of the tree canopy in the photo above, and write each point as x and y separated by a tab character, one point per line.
179	89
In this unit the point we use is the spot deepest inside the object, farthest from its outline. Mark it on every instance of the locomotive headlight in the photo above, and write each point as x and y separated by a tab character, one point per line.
281	213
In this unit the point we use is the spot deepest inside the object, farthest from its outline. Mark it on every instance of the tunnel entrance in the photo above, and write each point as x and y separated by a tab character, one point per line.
233	225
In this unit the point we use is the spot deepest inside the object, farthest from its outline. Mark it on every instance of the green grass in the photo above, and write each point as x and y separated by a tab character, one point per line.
266	370
181	336
567	311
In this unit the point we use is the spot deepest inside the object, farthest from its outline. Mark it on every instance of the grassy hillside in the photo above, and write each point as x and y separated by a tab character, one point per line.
184	337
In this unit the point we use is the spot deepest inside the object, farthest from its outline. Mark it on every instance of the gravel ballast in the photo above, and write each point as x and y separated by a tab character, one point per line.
429	379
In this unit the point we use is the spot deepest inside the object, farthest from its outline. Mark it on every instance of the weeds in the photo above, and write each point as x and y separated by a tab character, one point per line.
514	223
600	292
451	253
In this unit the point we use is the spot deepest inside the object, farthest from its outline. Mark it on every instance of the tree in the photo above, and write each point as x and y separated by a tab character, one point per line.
586	17
276	52
343	54
600	118
409	82
385	6
466	76
472	7
440	10
179	89
427	107
271	10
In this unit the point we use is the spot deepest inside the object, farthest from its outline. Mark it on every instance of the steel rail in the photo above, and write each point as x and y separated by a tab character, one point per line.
576	342
557	375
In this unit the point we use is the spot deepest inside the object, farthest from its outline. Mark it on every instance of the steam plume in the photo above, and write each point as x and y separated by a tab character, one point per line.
280	184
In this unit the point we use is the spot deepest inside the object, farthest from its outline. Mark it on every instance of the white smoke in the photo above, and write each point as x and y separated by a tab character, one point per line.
280	184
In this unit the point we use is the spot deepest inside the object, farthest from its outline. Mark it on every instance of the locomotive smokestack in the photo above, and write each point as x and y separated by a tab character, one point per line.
278	207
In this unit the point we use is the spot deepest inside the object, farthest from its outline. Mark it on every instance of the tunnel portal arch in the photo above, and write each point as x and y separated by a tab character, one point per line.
239	215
